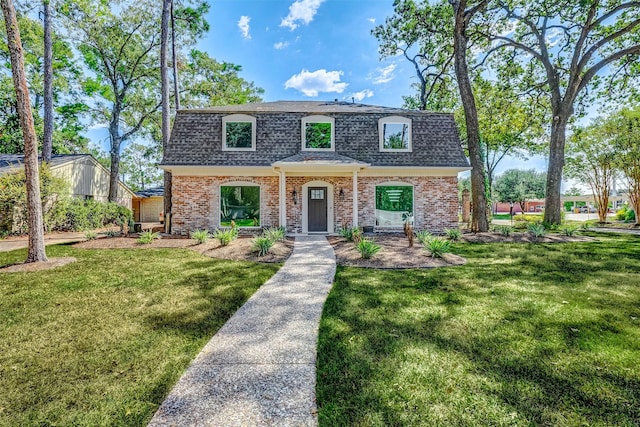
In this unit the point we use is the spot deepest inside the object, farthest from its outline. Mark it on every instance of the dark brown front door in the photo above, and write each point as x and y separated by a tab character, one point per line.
317	208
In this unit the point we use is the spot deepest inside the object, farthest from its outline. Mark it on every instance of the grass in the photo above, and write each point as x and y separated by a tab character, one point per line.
101	341
523	334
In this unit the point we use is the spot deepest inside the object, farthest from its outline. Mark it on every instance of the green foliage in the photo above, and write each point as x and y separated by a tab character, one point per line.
424	236
112	233
453	234
505	230
200	236
395	198
225	236
239	134
262	245
318	135
527	218
147	237
537	229
76	214
90	234
569	229
139	166
350	233
438	246
241	204
367	248
625	213
518	186
275	234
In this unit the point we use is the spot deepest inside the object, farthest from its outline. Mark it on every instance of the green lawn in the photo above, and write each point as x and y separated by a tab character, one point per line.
524	334
102	341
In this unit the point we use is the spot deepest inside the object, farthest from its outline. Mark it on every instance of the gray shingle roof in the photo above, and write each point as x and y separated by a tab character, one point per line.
197	135
150	192
13	162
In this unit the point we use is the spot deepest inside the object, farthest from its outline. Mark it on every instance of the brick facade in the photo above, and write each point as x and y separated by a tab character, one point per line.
196	201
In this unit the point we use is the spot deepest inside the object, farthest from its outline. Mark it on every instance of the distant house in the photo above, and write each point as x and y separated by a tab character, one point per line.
313	167
86	178
148	205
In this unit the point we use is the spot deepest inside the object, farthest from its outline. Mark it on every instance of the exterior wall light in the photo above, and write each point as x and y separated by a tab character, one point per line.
294	196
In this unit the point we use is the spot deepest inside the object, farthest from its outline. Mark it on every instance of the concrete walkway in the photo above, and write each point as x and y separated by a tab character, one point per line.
260	368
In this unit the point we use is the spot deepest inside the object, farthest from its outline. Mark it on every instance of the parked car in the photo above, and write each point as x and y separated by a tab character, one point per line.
587	209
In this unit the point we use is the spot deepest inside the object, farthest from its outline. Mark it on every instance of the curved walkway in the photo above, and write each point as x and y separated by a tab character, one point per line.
260	368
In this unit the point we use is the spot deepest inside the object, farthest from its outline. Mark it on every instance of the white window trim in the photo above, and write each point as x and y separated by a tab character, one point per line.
238	184
394	120
305	205
395	184
318	119
238	118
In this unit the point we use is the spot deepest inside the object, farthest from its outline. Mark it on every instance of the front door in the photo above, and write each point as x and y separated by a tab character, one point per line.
317	209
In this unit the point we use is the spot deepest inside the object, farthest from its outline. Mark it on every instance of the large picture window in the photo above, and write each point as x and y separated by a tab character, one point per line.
241	204
395	133
318	133
394	203
239	133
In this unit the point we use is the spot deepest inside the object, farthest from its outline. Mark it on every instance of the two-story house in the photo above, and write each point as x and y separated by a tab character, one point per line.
313	167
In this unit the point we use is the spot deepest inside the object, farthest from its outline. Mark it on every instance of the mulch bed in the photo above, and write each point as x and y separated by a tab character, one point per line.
395	254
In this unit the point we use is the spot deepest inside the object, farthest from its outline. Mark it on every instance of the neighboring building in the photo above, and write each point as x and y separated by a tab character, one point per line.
86	178
148	205
313	167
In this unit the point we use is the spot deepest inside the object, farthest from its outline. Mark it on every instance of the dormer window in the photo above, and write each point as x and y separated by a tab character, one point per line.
395	134
318	133
238	133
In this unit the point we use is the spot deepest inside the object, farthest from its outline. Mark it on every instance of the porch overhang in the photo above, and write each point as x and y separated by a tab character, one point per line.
319	164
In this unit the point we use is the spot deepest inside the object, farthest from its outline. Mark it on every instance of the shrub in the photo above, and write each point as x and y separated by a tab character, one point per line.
630	216
537	229
569	229
367	248
226	236
275	234
112	233
453	234
505	230
438	246
621	213
200	236
349	233
527	218
147	237
424	236
90	234
262	245
586	226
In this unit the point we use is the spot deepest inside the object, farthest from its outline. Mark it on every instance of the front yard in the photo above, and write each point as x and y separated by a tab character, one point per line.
523	334
101	341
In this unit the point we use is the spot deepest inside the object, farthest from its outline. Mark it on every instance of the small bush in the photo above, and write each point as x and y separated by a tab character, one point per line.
453	234
112	233
586	226
438	246
537	229
275	234
200	236
226	236
148	236
505	230
630	216
569	229
262	245
367	248
424	236
90	235
348	232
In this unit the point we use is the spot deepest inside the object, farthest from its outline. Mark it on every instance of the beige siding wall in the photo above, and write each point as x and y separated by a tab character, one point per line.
150	209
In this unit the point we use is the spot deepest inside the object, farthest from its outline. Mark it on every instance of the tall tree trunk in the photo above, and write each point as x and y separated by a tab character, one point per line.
167	7
36	251
174	55
553	206
47	141
116	141
479	220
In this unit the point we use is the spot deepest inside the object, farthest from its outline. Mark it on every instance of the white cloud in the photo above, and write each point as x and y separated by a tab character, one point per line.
301	10
311	83
280	45
384	75
243	24
359	96
372	20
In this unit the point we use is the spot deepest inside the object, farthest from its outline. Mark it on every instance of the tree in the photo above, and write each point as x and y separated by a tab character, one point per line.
590	159
47	139
167	7
120	50
518	186
140	166
624	128
36	249
563	49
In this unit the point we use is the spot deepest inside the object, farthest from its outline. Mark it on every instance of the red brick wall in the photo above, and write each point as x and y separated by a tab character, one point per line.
196	201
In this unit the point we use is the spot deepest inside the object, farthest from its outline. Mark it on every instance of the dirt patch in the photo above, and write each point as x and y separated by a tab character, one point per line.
523	238
38	266
239	250
395	254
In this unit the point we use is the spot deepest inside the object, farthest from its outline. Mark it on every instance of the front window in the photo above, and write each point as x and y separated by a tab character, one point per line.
318	133
394	204
238	133
240	204
395	133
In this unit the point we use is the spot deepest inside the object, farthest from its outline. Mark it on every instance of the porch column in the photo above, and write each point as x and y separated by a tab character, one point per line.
355	199
282	193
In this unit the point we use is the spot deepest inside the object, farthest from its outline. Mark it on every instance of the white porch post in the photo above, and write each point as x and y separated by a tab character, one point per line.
283	199
355	199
